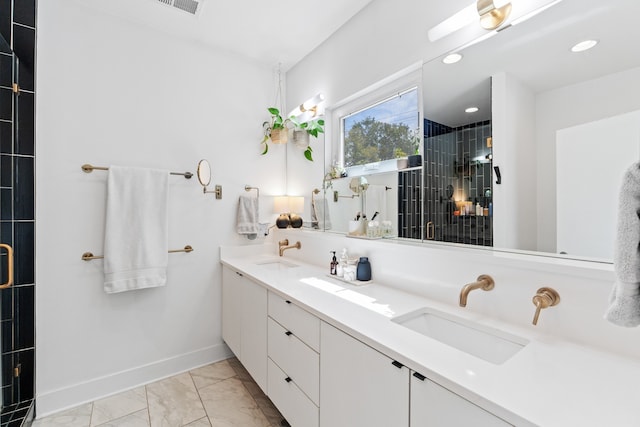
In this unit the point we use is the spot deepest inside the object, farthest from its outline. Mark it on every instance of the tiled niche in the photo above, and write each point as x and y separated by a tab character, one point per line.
17	209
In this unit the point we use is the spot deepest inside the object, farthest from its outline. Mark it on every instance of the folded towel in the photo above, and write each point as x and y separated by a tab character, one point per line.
136	229
624	301
247	217
320	213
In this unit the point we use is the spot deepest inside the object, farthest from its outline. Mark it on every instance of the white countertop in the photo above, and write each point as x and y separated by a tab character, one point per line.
550	382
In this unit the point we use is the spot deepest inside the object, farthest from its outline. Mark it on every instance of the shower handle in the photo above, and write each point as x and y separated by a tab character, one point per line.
9	266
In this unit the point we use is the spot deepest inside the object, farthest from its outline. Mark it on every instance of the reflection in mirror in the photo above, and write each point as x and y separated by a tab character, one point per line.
354	201
539	92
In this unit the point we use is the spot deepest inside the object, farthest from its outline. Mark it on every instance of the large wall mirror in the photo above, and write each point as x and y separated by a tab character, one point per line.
561	127
564	125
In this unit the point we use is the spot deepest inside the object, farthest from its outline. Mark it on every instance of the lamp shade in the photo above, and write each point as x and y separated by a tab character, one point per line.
296	204
281	204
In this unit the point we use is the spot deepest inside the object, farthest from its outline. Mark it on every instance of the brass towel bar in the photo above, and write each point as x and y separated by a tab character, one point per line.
88	256
87	168
249	188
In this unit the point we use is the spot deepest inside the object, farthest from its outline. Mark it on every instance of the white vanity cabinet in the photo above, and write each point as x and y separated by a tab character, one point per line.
294	362
360	387
434	405
244	322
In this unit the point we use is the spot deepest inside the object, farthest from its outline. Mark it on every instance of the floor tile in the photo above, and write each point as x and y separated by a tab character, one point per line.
211	374
174	402
202	422
241	372
137	419
229	404
76	417
119	405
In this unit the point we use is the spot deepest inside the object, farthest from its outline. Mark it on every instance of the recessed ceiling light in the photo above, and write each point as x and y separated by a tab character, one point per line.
471	110
584	45
452	58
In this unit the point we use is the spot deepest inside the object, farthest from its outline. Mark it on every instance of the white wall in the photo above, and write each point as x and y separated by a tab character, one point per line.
569	106
111	92
591	160
514	152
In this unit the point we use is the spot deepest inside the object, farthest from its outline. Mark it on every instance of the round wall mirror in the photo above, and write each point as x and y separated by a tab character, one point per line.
204	172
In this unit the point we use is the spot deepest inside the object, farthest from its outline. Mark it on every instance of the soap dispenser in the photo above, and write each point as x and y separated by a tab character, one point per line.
334	264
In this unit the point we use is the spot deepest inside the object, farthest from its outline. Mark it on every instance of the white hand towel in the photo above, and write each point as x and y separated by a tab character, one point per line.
247	216
320	217
624	301
136	229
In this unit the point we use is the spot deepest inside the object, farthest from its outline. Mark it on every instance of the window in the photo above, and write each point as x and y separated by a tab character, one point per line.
384	130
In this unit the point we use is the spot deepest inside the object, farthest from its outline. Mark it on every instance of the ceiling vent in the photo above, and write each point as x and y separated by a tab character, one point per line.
191	6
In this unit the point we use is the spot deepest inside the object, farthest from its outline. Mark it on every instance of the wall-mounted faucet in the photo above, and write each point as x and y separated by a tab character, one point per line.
283	245
545	297
484	282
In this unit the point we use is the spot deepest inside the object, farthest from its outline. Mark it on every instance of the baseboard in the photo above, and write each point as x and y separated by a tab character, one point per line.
65	398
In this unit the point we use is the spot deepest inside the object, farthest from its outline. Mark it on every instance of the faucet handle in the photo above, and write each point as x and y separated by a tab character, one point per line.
284	242
544	298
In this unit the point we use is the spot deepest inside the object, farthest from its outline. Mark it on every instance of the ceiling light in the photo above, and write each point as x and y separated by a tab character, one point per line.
471	110
452	58
584	45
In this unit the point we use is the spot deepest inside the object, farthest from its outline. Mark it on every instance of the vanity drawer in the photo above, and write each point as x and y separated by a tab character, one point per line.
304	325
290	401
295	358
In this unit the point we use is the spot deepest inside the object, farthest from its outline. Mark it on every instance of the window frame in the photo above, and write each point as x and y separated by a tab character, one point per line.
399	83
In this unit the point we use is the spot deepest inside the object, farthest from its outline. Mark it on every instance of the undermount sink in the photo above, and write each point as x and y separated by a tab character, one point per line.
277	264
491	345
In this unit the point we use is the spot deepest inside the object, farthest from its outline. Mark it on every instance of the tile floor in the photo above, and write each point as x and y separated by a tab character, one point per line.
219	395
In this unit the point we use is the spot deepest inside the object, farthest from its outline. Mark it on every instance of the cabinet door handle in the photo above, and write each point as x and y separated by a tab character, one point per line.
239	274
397	364
288	379
419	376
288	302
288	333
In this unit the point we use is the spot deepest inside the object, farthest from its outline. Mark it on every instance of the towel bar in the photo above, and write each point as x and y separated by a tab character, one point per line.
87	168
249	188
88	256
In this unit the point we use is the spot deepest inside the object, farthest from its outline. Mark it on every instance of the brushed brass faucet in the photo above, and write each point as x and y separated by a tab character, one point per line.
544	298
283	245
484	282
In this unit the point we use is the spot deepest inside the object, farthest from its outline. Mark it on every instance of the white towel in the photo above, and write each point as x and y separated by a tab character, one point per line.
320	217
624	301
247	216
136	230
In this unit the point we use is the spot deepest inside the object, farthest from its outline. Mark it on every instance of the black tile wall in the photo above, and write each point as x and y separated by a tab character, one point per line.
451	163
17	208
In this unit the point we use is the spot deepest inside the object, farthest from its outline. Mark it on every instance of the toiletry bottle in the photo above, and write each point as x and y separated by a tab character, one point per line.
478	209
342	264
363	271
334	263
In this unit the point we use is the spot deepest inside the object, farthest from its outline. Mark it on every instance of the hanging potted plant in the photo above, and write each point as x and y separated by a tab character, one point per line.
277	130
302	131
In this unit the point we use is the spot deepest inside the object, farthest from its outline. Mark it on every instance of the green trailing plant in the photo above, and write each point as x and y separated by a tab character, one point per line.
277	122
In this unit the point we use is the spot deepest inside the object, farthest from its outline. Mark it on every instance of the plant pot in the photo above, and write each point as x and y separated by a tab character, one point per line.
403	162
301	138
415	160
279	136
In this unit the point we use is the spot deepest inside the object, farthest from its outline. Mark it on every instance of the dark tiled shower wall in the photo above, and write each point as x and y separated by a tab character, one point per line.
17	210
450	160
